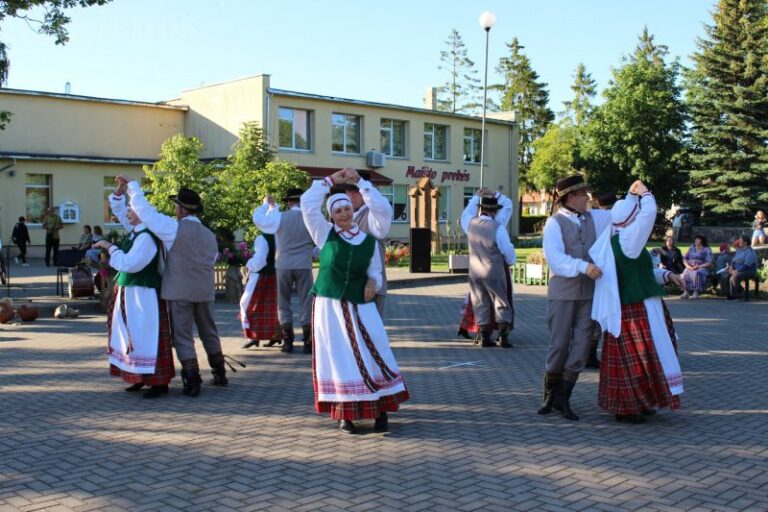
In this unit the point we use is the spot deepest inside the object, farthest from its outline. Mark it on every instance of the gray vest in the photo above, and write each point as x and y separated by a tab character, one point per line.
485	258
577	241
293	245
362	223
188	273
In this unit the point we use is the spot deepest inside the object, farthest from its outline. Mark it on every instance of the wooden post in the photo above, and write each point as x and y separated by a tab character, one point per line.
435	224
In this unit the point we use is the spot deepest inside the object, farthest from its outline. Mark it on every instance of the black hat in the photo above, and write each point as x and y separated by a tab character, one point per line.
567	185
364	175
606	200
489	203
293	194
188	199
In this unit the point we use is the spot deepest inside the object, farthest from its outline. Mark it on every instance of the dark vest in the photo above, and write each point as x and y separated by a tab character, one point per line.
577	241
293	242
269	268
147	277
189	274
344	268
636	279
485	258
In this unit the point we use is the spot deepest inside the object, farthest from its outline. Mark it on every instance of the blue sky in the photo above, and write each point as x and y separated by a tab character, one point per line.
385	51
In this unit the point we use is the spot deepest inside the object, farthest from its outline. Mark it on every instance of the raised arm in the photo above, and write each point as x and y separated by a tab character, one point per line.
380	216
505	212
634	237
117	205
311	211
260	252
469	213
267	216
163	226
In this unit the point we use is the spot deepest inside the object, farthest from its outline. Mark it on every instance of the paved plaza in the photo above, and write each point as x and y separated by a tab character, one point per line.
469	439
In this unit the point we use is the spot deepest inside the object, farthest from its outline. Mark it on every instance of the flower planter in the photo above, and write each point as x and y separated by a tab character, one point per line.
534	271
458	263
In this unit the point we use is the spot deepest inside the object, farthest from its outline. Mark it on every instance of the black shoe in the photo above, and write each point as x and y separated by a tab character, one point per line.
635	419
219	376
487	344
287	347
464	334
648	412
251	343
505	344
347	427
273	342
156	391
287	333
562	400
192	382
382	423
135	387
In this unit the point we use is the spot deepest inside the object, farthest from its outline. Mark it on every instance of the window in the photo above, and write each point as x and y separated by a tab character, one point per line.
346	133
38	197
435	141
109	187
397	195
468	193
393	137
444	205
472	140
294	129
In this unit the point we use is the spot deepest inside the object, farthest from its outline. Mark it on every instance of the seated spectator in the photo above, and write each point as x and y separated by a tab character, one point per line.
698	263
743	266
92	255
671	257
86	239
758	228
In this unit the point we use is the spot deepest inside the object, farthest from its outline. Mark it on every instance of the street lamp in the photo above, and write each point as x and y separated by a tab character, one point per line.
487	21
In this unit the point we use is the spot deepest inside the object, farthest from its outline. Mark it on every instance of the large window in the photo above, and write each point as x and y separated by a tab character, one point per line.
472	140
468	193
294	128
393	137
397	195
109	187
435	141
38	197
346	134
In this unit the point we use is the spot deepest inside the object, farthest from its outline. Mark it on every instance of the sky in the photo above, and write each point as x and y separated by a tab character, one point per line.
385	51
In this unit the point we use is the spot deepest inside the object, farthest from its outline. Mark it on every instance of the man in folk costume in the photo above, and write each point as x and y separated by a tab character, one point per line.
188	281
490	254
355	373
640	370
469	326
568	236
373	215
258	305
293	262
138	323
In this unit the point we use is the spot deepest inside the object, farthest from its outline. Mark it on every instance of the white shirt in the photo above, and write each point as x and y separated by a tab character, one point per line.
503	242
559	262
142	251
380	216
267	218
260	252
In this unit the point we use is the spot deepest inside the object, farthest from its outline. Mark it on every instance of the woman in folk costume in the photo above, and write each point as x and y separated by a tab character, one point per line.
354	370
138	322
639	369
469	326
258	305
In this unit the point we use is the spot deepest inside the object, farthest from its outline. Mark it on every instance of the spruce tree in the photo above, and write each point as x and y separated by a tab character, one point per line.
727	92
460	94
584	88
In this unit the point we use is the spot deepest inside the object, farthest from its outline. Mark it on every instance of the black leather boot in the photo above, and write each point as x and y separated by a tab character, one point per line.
287	331
551	383
156	391
592	361
135	387
347	427
251	343
562	399
382	423
218	370
503	335
307	332
483	337
190	377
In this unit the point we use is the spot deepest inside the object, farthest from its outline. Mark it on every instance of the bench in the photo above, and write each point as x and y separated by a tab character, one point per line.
755	279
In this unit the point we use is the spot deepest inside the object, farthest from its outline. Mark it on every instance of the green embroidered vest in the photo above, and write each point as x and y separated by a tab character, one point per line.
269	268
344	268
635	276
147	277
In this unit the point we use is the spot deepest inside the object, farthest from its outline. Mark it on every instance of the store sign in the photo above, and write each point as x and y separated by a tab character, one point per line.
428	172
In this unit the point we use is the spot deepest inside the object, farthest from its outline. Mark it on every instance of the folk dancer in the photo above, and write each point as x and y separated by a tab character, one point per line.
138	323
188	281
355	372
568	236
468	327
258	305
640	370
293	262
490	254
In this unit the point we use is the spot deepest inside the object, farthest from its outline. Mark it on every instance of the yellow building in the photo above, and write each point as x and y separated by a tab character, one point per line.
65	150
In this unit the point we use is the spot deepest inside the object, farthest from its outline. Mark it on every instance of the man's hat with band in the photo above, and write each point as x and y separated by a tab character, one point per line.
188	199
293	194
567	185
489	203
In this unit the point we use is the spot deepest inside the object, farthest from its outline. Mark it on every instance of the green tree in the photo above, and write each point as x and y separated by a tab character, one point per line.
727	93
553	156
638	133
53	22
578	110
522	92
461	92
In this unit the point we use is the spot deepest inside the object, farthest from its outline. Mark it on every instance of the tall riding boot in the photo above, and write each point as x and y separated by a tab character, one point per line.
562	399
287	330
307	332
483	337
551	383
190	377
218	370
592	360
503	335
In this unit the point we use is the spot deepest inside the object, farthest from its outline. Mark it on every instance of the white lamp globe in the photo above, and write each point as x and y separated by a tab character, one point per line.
487	20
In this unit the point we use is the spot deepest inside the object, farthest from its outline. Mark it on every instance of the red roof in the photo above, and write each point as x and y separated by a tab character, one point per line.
322	172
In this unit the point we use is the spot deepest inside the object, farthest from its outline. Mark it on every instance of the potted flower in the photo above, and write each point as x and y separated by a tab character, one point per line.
235	256
534	266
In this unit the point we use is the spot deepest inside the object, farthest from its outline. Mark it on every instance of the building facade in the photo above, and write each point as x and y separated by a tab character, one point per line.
64	151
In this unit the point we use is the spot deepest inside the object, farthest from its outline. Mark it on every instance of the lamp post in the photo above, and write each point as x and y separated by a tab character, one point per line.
487	21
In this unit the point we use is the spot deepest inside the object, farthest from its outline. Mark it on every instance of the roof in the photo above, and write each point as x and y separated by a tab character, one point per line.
76	97
16	155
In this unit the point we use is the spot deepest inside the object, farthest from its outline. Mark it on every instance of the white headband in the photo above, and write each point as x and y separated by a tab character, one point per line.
335	201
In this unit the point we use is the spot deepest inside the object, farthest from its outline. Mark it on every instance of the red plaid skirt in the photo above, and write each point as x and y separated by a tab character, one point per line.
631	376
164	369
362	410
469	326
262	310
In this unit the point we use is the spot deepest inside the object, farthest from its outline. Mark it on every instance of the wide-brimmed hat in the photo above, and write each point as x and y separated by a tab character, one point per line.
364	175
188	199
489	203
567	185
293	194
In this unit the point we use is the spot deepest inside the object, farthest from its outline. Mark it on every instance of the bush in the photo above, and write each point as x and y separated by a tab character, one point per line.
528	222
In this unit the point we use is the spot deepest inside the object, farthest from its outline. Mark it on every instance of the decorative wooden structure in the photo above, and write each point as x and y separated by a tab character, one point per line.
424	204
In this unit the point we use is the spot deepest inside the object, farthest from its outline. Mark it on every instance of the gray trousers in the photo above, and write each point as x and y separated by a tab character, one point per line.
303	280
184	315
490	294
570	333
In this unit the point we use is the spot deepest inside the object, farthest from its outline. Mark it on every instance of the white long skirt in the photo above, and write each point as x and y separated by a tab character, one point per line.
133	340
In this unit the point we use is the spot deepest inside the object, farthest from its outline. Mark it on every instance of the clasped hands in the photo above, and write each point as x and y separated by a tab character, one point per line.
346	175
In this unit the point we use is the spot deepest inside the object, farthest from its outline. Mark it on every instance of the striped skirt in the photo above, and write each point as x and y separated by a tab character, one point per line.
262	310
